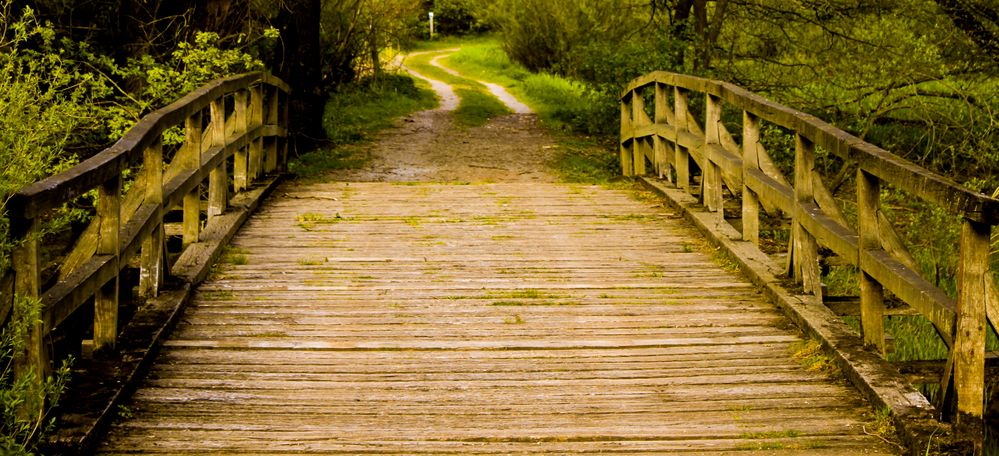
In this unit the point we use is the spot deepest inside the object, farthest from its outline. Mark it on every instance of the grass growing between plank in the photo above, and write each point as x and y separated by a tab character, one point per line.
354	114
477	105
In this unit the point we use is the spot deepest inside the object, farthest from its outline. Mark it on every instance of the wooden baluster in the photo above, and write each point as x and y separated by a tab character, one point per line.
218	180
969	340
106	297
682	160
241	170
750	162
638	119
152	268
804	250
284	120
191	161
711	182
627	131
663	156
271	161
254	120
872	306
33	360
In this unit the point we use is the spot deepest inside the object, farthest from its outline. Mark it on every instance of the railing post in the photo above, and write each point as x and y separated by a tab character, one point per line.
191	160
750	162
271	118
254	120
872	308
969	340
241	165
638	119
152	268
711	183
682	160
804	248
662	158
218	180
627	131
284	120
27	292
106	298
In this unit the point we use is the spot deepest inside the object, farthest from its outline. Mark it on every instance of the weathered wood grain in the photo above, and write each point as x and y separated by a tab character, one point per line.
480	319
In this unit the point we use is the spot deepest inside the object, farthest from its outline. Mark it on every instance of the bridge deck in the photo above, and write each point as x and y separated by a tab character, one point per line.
481	319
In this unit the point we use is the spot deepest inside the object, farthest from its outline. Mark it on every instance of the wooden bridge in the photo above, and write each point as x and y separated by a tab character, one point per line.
492	318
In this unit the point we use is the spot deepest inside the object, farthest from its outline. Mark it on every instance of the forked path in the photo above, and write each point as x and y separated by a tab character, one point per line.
516	316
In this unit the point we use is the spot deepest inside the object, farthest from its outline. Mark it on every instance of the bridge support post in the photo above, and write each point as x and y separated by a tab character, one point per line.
240	173
750	161
638	119
804	248
271	118
218	180
254	120
627	128
872	307
663	156
682	160
969	340
191	161
33	359
106	297
153	268
711	184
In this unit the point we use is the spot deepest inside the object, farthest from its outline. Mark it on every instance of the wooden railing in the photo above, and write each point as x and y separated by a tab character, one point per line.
668	137
233	132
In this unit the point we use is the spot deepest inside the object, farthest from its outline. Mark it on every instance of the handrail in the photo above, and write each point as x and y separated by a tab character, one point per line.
234	132
669	139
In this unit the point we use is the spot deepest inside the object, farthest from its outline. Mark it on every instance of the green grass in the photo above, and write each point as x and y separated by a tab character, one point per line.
584	163
354	114
561	103
477	108
477	105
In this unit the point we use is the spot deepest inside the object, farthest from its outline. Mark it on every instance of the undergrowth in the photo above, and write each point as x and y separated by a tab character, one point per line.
354	113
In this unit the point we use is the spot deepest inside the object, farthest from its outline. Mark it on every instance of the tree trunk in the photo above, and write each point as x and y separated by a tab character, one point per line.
299	66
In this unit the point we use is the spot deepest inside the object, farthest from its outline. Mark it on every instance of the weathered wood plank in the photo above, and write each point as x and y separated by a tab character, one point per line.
489	318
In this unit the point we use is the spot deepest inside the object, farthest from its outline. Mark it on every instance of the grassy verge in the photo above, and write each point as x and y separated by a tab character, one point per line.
561	103
354	114
477	106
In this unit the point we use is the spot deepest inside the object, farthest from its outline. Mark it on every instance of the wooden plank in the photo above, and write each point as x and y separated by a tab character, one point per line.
441	321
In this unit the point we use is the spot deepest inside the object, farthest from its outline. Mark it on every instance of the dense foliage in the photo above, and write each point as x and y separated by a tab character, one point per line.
918	77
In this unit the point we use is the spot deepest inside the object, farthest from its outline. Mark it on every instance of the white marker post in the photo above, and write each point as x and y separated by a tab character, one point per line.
431	25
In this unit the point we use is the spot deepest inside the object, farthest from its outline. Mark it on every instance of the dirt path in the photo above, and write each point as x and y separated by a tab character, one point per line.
428	146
